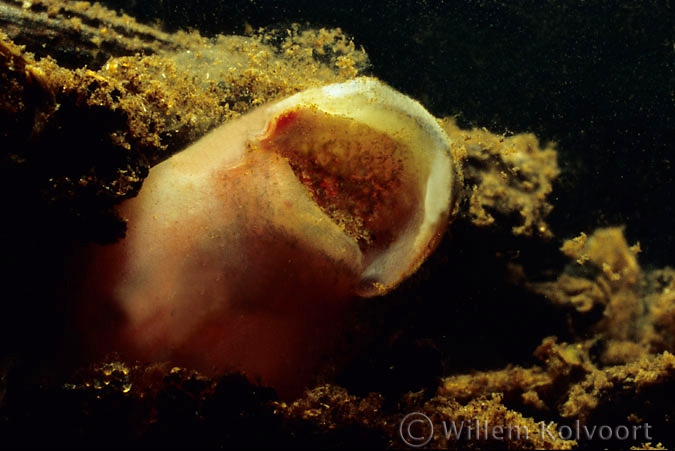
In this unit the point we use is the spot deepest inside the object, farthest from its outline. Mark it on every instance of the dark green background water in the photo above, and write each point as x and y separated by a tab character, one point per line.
597	77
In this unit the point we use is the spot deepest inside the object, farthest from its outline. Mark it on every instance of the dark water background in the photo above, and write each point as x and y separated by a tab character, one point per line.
597	77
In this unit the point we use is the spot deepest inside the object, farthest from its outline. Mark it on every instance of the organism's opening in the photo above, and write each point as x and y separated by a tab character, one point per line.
355	174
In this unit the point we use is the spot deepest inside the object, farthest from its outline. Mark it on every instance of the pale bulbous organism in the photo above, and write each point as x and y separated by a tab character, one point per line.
243	251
